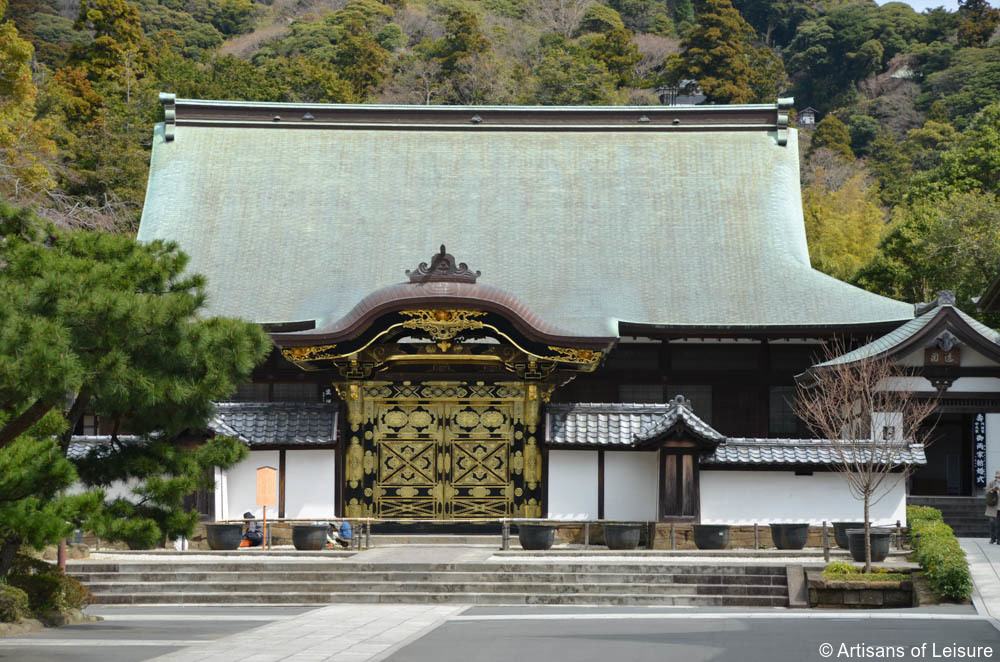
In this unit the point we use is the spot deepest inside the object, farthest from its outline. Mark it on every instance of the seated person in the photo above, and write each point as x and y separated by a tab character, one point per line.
253	534
341	536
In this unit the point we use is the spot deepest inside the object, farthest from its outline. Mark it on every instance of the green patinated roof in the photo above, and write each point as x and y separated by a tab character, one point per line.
897	337
588	228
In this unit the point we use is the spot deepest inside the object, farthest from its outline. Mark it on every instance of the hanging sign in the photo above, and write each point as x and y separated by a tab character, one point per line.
979	445
939	357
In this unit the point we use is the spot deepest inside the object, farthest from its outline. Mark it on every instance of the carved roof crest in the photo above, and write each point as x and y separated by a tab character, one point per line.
443	268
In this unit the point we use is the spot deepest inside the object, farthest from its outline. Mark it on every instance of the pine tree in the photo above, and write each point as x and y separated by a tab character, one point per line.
720	58
33	508
113	323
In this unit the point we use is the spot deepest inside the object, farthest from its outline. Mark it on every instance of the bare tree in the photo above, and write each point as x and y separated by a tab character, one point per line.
559	15
655	50
867	408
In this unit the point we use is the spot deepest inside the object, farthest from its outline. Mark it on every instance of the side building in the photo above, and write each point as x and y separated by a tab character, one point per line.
485	312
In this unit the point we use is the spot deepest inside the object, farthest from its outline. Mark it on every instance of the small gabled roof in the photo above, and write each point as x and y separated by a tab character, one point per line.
624	424
989	300
938	318
276	423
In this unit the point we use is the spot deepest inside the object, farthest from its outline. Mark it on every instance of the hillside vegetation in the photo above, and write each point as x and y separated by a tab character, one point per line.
900	176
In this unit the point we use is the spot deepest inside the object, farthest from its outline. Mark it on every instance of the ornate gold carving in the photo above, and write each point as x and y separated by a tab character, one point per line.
311	353
587	357
442	324
354	466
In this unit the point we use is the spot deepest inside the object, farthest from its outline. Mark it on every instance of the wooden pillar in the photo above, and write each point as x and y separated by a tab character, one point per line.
281	483
600	484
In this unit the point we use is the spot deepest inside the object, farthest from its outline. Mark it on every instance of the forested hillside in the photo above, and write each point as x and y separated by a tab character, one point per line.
900	175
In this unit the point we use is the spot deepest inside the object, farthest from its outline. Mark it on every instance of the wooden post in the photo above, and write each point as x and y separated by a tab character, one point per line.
756	537
899	535
61	555
505	540
586	534
826	543
673	544
267	494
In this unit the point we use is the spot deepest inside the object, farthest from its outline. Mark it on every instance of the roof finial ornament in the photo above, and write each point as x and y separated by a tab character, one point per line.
944	298
680	400
443	268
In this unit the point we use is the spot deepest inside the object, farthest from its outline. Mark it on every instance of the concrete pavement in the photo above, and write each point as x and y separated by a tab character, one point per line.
984	564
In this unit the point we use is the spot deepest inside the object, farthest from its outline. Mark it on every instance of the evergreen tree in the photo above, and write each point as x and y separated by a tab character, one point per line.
832	134
720	58
113	323
978	23
34	509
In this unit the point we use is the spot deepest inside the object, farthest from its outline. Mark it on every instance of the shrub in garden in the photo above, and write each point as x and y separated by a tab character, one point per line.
13	604
47	587
940	556
914	513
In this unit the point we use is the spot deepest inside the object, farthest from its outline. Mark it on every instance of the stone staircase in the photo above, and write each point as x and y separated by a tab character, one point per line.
498	583
963	514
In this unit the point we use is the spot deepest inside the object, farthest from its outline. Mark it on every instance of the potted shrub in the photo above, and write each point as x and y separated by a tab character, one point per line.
223	536
711	536
309	537
880	543
536	536
790	536
840	532
622	536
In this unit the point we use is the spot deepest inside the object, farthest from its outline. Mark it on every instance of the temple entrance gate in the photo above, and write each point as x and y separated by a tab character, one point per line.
442	450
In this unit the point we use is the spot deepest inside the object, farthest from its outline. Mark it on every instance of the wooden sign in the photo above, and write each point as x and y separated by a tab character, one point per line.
267	486
938	357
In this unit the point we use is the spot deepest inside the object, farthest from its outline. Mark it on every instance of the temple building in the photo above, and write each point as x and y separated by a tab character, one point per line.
485	312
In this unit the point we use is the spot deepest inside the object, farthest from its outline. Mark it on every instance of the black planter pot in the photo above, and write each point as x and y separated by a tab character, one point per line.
223	536
622	536
711	536
840	532
790	536
880	543
536	536
309	536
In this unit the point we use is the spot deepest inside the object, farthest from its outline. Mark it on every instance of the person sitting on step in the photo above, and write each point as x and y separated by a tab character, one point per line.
341	536
253	534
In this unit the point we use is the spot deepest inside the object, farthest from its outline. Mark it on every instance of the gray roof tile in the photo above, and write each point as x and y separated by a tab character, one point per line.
624	425
792	451
276	423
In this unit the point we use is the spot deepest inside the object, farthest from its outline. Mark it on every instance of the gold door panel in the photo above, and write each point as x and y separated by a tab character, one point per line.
443	450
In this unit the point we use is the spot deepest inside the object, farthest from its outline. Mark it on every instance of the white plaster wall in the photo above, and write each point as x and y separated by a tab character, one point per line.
630	481
241	485
572	485
309	483
992	445
976	384
745	497
117	489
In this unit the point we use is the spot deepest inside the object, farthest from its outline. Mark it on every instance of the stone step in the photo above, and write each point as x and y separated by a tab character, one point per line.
450	577
337	567
226	588
531	598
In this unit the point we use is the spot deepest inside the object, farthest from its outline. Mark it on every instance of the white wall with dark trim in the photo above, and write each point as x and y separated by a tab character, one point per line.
745	497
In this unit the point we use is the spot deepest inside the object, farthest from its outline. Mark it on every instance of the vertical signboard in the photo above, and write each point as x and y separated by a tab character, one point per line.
979	446
267	492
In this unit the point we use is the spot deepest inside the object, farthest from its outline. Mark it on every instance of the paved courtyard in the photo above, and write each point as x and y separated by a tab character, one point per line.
445	633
